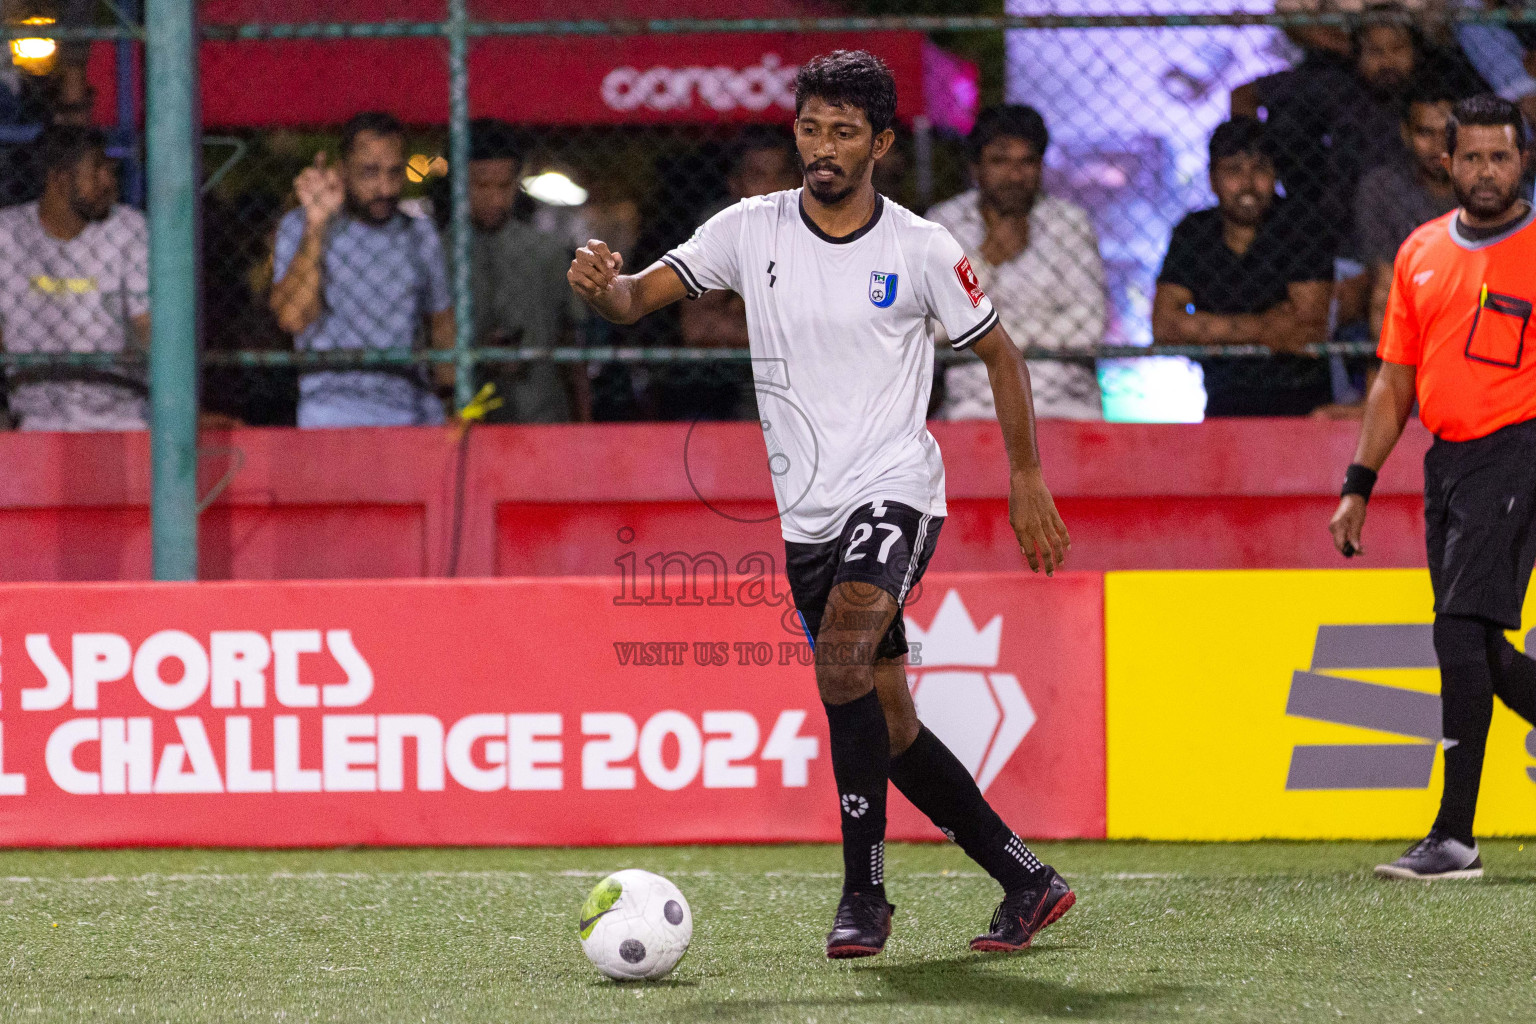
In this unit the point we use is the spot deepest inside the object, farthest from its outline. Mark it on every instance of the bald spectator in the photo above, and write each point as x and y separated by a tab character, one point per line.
1037	257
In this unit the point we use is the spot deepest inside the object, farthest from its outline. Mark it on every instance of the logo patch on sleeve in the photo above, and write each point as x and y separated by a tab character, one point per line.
968	281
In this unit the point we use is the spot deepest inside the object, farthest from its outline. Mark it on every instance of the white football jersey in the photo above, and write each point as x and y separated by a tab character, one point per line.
842	348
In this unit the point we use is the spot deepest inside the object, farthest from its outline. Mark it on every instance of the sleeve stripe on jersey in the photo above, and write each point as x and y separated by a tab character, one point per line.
690	282
976	333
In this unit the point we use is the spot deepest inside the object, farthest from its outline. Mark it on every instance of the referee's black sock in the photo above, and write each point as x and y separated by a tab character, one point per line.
932	777
861	759
1466	707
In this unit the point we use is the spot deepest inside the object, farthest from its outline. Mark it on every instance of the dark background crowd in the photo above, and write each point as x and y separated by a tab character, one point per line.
339	240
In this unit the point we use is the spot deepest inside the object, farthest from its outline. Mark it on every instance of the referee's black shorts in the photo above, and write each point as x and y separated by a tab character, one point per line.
885	543
1479	513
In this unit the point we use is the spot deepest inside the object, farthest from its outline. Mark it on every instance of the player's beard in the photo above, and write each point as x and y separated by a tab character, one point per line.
1487	202
843	185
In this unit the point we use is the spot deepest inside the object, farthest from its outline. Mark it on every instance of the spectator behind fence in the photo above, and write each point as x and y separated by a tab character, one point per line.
1503	54
1331	120
1248	272
761	160
1398	196
354	272
74	277
1037	257
521	298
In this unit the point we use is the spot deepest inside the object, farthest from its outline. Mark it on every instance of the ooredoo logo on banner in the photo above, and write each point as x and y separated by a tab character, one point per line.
525	711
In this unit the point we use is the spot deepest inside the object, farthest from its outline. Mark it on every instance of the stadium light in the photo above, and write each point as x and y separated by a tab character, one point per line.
554	188
35	55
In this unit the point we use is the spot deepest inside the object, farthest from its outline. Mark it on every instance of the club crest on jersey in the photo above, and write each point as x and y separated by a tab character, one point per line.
882	289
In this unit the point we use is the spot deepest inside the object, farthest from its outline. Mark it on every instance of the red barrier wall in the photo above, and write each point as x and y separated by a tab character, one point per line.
562	500
557	711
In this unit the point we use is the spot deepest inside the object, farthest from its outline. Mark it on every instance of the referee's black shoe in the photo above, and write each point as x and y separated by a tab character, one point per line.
862	925
1434	857
1024	914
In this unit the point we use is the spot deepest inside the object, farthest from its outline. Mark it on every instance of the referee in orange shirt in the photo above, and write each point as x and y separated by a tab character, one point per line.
1457	325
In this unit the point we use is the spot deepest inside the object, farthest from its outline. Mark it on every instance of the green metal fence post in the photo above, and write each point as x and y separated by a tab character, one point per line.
173	165
458	178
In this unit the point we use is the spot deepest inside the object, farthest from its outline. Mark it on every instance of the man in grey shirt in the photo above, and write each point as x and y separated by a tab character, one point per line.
521	296
1410	189
74	277
354	271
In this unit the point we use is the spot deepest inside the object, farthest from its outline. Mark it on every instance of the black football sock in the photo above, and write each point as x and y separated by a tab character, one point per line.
932	777
1466	707
1514	676
861	759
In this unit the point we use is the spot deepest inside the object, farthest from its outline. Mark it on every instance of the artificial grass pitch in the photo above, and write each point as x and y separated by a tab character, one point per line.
1267	932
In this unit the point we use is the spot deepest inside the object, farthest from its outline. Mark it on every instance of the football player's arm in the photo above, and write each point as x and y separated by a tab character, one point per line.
621	298
1031	511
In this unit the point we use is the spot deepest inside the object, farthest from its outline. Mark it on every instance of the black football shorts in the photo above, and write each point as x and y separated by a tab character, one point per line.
1479	514
884	543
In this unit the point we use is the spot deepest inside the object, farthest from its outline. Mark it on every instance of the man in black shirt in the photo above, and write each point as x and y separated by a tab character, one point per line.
1246	273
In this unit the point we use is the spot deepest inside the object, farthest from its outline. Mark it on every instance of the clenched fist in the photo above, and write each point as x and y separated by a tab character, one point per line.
594	270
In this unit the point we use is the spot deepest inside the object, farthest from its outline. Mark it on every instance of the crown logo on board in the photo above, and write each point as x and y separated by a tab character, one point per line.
953	639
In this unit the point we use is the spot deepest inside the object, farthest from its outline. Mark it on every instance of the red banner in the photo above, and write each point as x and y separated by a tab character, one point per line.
663	706
562	80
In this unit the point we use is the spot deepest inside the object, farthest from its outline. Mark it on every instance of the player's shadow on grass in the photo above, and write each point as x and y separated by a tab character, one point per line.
970	981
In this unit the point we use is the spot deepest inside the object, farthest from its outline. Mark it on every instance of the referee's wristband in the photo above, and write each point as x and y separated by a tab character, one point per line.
1359	480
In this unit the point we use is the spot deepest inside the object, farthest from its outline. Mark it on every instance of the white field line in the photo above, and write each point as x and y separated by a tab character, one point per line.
390	876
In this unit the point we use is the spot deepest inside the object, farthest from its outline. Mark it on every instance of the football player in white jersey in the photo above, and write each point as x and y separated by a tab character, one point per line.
841	288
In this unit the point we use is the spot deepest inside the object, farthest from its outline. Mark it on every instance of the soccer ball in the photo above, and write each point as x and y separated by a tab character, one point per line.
635	925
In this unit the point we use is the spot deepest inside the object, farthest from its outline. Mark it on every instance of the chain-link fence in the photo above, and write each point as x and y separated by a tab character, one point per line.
1072	147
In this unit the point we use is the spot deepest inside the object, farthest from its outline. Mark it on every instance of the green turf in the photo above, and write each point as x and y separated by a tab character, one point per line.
1253	932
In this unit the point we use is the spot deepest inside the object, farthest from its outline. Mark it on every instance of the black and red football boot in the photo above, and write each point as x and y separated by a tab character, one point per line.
1024	914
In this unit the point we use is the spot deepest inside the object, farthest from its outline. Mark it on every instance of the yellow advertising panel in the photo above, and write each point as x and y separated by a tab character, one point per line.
1299	705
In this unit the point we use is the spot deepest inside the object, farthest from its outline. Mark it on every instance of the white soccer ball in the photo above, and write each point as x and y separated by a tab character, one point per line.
635	925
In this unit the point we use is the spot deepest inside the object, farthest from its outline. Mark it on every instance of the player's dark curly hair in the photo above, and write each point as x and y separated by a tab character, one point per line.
852	78
1485	111
1007	121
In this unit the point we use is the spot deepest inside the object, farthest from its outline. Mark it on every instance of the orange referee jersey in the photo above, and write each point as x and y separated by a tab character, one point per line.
1460	311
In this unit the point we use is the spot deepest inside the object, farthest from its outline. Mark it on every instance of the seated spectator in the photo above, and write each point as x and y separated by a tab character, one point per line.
1331	119
352	272
74	277
521	298
1398	196
1248	273
761	160
1037	257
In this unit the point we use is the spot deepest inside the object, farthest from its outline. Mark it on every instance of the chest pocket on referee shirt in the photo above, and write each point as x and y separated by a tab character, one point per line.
1498	330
